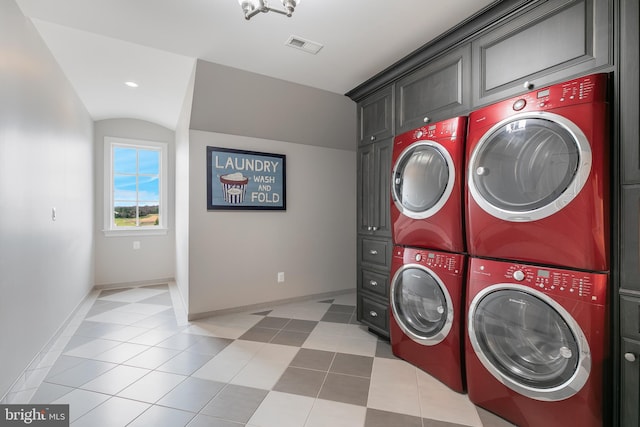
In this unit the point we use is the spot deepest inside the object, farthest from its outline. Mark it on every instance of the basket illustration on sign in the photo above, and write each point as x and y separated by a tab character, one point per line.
234	187
245	180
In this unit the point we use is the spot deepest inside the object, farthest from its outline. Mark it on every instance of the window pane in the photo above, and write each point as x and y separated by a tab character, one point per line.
149	214
124	214
124	160
149	188
124	187
148	162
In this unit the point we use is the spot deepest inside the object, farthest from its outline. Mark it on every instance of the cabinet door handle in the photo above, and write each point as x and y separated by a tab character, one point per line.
373	137
373	283
426	120
630	357
374	228
373	314
373	252
527	85
369	228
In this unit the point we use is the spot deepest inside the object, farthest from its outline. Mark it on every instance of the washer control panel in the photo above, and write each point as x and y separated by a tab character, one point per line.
453	263
584	286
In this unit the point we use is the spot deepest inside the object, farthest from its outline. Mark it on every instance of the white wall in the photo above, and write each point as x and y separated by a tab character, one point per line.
235	256
182	195
117	262
46	161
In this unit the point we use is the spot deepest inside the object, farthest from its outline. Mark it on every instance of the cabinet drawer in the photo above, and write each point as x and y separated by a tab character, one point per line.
374	282
374	314
375	252
630	317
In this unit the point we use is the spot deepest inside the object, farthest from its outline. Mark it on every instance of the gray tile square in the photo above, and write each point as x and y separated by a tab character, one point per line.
298	325
313	359
339	308
210	345
76	341
305	382
383	349
346	389
336	317
259	334
191	395
162	299
377	418
107	292
292	338
104	306
185	363
351	364
273	322
235	403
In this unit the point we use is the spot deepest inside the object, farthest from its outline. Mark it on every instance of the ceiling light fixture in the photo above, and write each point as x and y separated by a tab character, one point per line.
252	7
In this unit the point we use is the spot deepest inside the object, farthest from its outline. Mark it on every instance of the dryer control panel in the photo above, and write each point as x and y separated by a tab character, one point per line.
451	129
579	285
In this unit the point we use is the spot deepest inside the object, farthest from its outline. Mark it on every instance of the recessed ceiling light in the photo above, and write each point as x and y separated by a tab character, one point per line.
131	84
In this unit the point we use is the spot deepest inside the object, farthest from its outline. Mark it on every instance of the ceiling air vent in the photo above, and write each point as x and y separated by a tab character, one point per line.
302	44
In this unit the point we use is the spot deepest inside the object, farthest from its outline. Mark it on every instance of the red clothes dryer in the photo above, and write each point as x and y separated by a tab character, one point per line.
538	177
426	312
537	343
427	185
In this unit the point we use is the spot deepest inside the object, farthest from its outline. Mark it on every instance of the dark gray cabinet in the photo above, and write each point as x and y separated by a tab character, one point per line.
630	239
375	116
554	41
374	188
628	246
438	90
629	91
630	387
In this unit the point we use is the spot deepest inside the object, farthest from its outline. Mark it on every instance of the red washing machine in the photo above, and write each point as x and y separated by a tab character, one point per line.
426	186
537	343
426	312
538	177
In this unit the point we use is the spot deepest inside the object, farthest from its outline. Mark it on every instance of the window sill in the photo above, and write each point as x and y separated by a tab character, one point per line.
135	232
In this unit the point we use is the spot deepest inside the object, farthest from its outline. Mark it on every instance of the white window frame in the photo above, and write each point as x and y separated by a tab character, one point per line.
109	228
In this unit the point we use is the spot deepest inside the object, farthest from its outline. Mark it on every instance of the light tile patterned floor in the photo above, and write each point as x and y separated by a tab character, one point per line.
135	361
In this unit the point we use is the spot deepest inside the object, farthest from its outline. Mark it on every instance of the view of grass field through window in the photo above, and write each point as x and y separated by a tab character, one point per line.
136	186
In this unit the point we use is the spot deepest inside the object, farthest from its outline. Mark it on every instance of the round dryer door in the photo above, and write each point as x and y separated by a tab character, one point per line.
423	178
528	342
421	304
529	166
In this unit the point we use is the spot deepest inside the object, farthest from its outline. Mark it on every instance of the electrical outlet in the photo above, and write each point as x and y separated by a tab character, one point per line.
281	277
136	245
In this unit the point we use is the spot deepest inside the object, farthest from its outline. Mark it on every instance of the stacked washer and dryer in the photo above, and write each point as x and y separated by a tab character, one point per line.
500	270
428	262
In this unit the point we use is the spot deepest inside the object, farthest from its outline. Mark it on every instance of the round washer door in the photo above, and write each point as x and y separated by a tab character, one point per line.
528	342
421	304
422	179
529	166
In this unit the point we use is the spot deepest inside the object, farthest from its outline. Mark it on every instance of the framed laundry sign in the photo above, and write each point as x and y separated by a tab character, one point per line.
245	180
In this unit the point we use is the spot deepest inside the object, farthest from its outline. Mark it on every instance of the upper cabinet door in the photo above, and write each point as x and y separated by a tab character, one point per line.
375	116
555	41
436	91
629	80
